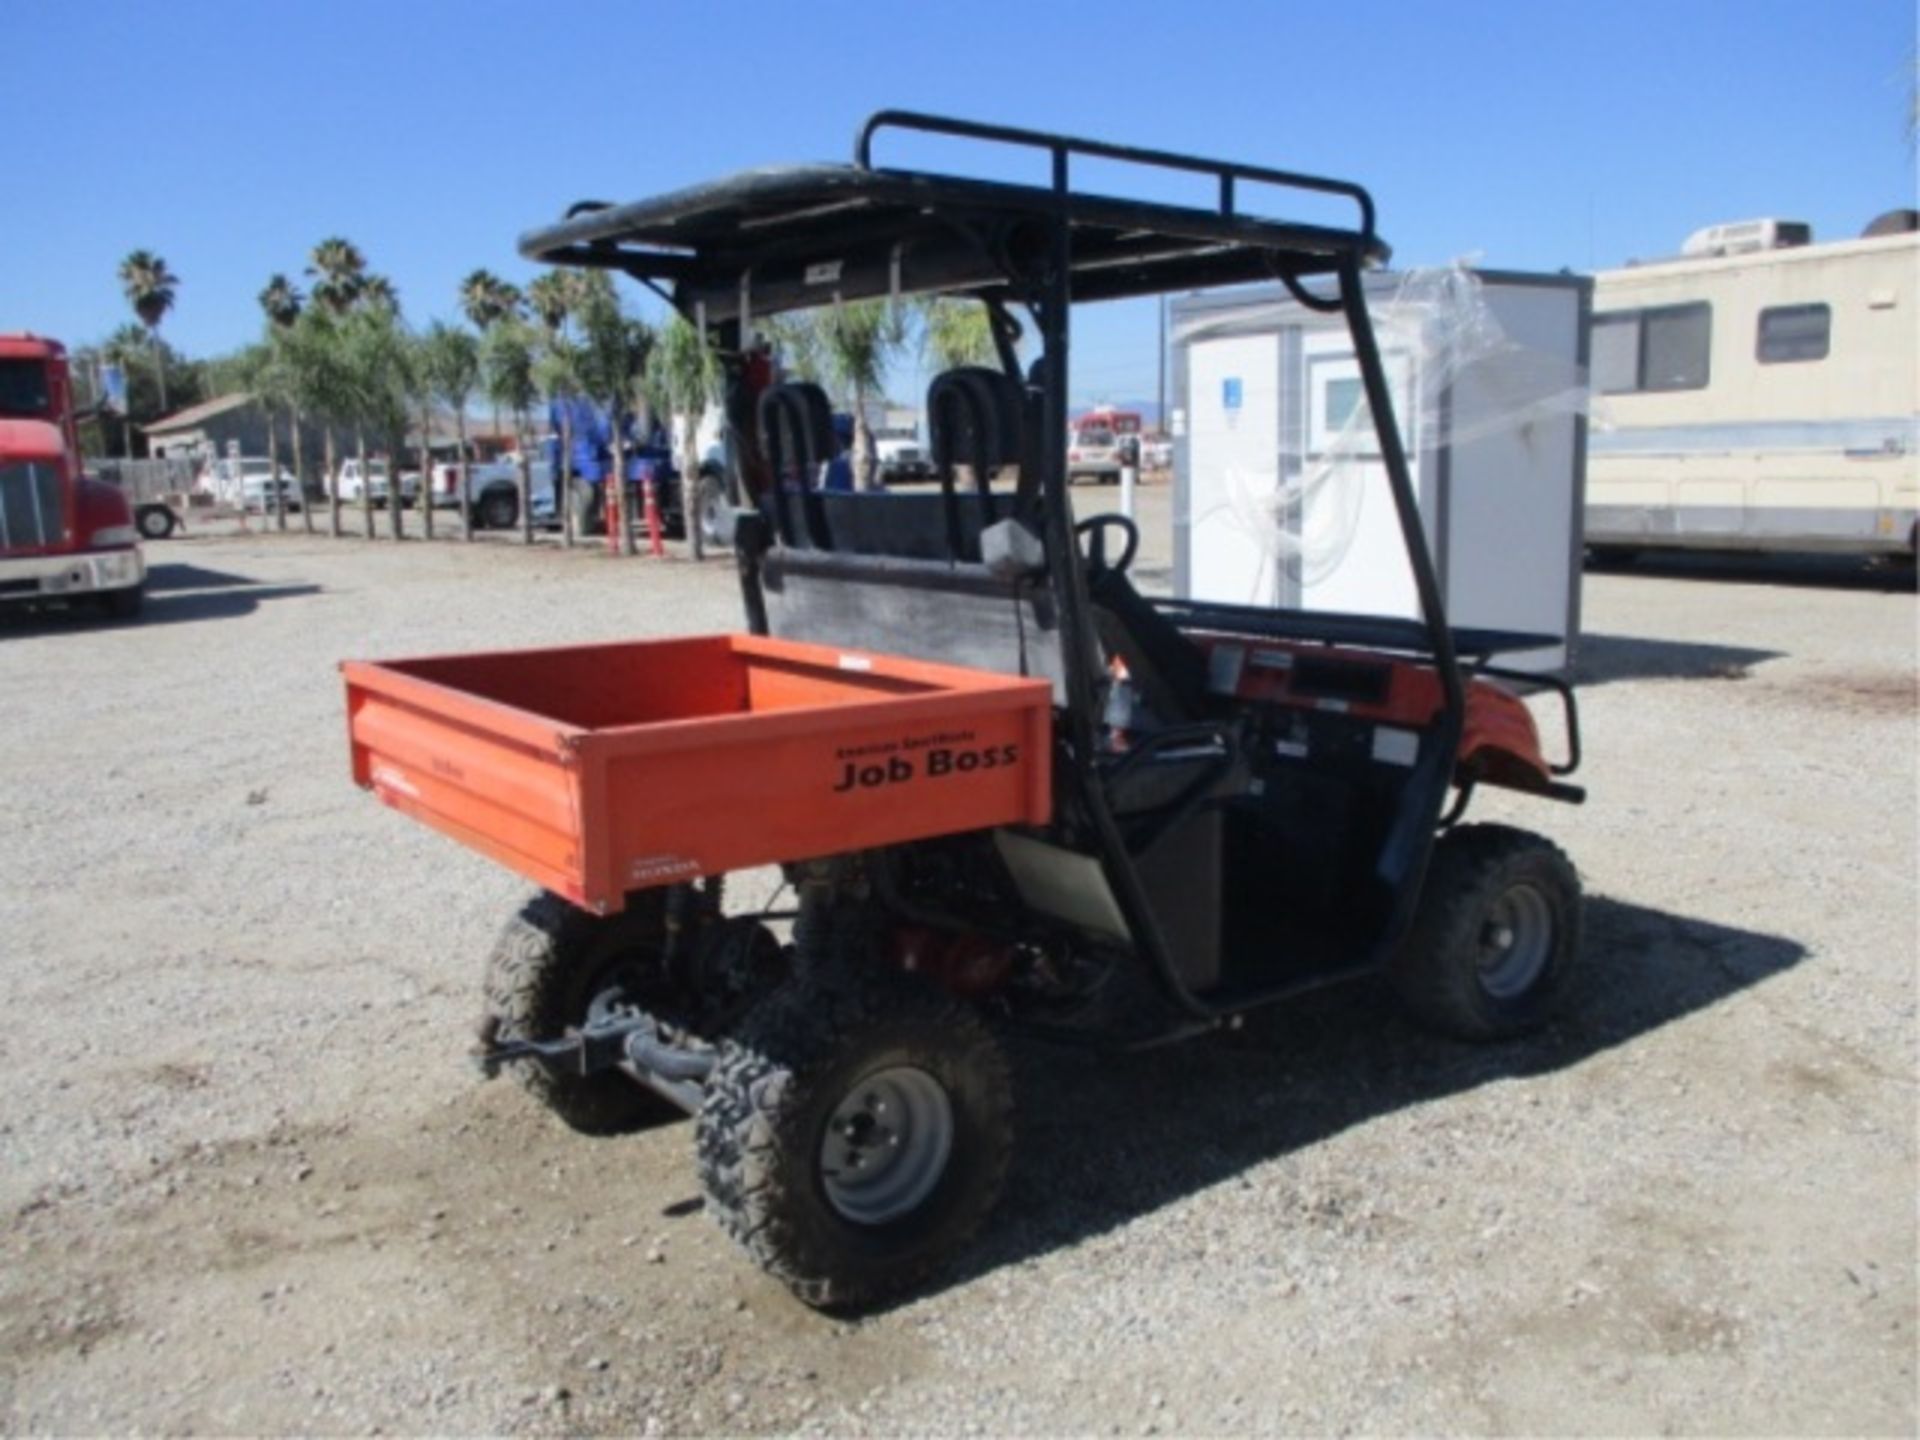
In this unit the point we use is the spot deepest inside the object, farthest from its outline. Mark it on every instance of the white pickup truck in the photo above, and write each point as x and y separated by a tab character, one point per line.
493	488
352	487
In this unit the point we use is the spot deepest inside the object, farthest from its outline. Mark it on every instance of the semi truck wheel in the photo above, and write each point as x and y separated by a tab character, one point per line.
1496	937
156	522
546	968
854	1134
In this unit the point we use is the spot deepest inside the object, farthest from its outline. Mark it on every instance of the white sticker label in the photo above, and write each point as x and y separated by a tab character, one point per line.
647	868
1395	747
855	662
826	272
388	778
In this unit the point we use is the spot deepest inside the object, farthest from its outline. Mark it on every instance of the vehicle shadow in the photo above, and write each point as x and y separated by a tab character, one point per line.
176	593
1105	1140
1599	659
162	579
1825	572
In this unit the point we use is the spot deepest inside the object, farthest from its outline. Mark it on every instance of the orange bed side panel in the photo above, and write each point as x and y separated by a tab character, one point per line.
659	761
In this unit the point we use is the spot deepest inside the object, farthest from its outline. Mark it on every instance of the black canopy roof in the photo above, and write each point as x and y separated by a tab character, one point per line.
801	235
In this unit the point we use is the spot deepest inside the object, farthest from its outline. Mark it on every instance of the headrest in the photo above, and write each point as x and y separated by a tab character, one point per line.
796	427
975	416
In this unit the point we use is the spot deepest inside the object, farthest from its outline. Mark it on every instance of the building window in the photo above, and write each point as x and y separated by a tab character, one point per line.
1790	333
1666	348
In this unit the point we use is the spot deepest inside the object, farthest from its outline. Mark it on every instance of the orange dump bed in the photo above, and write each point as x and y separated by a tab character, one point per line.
598	769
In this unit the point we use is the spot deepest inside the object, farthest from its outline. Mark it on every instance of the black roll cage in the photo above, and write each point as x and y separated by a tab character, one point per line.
771	240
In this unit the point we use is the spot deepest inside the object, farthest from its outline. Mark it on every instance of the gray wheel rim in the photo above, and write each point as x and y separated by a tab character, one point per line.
887	1145
1516	942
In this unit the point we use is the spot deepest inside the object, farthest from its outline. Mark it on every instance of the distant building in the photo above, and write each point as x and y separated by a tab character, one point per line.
205	431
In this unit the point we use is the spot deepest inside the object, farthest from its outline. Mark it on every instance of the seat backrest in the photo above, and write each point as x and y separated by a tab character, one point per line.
796	436
956	613
903	573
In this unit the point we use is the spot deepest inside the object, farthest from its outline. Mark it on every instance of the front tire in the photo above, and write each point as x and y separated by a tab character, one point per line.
1497	935
710	504
549	963
156	522
854	1134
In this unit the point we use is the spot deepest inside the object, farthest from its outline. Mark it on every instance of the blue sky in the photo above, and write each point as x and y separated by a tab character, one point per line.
229	137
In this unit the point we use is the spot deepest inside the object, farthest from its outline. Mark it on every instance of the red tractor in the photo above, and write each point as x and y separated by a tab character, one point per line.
63	536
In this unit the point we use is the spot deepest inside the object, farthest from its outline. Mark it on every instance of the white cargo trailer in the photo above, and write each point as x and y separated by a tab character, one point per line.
1280	496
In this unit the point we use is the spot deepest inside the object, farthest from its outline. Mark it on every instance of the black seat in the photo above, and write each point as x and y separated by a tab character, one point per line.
796	436
975	417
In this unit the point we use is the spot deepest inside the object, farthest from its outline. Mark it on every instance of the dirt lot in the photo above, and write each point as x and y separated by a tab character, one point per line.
251	1186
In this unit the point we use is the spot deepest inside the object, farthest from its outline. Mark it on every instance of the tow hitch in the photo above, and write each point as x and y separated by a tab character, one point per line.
619	1037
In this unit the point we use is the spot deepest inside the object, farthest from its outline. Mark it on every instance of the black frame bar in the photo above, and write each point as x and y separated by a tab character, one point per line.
1211	247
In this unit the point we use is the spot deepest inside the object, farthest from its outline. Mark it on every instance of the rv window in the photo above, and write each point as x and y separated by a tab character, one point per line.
1616	352
1674	347
1794	332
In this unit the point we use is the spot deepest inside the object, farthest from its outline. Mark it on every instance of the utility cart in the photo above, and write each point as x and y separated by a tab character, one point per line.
1012	793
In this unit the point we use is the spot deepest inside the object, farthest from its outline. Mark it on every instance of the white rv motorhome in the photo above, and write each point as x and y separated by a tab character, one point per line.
1759	393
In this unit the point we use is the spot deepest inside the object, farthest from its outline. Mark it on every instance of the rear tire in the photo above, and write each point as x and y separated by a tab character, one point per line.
796	1155
499	510
548	964
1496	937
156	522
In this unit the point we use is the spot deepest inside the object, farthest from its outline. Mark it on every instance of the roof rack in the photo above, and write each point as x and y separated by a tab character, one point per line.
1061	147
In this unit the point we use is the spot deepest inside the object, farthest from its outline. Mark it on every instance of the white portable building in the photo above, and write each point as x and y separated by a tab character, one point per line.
1280	495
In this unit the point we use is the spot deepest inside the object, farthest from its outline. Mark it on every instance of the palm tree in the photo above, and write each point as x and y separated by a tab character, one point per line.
376	355
857	340
486	300
282	303
449	362
684	378
551	295
323	386
507	374
613	367
954	333
340	272
149	287
556	371
379	291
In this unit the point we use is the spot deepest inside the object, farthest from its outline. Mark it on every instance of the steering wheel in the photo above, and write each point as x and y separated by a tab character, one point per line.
1095	527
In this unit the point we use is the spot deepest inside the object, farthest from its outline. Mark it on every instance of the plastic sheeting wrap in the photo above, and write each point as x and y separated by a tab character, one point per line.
1437	331
1281	493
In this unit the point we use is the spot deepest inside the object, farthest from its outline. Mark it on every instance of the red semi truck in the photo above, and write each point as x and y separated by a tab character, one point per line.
63	536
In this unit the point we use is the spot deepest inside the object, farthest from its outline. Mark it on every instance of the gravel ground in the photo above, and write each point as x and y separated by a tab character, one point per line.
252	1187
